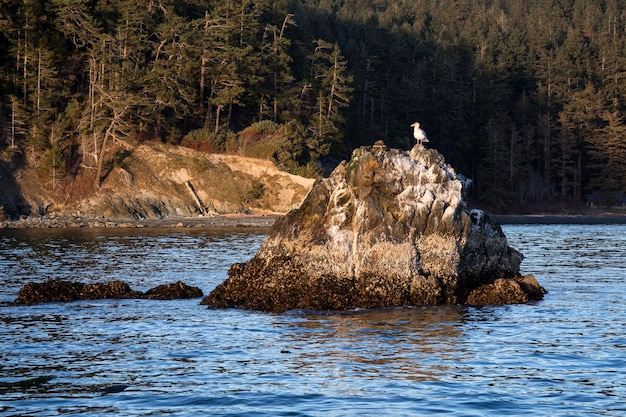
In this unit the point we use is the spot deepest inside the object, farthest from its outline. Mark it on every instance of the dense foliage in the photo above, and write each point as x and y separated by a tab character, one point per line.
526	97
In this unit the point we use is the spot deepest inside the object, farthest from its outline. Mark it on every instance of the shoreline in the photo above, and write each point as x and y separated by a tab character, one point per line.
210	222
560	219
267	221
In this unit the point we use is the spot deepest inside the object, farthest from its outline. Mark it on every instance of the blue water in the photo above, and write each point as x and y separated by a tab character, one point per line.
563	356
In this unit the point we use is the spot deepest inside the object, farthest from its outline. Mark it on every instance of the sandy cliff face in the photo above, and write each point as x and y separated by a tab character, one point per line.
152	182
156	181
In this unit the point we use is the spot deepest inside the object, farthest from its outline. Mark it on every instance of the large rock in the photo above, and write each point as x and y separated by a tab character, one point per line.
388	228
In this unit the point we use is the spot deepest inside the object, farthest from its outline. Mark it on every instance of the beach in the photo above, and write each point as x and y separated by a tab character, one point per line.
219	221
267	220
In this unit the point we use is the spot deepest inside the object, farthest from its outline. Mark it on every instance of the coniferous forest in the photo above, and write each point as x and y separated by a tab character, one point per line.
526	97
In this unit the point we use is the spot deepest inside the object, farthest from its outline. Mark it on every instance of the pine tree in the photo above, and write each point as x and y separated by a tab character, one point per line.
609	150
275	47
495	175
577	123
333	84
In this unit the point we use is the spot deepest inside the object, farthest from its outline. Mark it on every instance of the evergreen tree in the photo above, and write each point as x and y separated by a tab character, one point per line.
529	90
275	47
609	153
495	175
330	79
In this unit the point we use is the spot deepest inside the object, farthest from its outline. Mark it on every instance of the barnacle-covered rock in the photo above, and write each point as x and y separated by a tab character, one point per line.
387	228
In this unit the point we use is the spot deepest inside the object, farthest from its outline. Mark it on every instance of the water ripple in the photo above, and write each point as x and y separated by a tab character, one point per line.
563	356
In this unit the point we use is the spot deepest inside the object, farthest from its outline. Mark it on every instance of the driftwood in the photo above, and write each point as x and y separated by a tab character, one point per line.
193	193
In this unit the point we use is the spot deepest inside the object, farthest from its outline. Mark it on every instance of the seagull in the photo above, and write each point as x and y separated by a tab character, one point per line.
419	134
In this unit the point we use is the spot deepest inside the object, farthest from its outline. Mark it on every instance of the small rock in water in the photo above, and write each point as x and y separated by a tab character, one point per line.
60	290
174	291
27	383
114	389
64	291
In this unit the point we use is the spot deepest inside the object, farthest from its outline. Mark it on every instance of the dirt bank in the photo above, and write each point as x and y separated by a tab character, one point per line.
148	182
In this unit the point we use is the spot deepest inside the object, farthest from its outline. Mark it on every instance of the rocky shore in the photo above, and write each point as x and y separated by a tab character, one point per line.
225	221
263	221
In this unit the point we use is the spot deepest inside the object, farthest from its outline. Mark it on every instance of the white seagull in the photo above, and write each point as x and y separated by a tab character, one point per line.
419	134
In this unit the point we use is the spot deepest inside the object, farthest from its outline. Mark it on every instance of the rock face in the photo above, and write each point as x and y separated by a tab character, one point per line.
388	228
59	290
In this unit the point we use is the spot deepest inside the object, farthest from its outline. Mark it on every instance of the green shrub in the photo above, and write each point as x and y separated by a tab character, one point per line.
209	141
260	140
311	169
264	126
256	191
287	145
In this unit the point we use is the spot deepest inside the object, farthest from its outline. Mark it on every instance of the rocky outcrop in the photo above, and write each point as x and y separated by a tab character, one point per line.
174	291
388	228
63	291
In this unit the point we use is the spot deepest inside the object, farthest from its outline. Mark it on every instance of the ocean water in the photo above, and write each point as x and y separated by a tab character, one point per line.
563	356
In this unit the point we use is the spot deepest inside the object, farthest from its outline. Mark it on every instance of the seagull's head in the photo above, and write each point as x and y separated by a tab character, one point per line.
416	124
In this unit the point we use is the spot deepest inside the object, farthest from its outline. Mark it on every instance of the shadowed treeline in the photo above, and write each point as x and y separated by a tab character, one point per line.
524	97
12	203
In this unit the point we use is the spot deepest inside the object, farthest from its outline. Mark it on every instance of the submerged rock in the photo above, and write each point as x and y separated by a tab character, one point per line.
25	383
63	291
114	389
388	228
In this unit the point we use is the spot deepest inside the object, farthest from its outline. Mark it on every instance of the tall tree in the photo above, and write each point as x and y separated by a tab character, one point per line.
333	84
608	150
577	123
275	46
